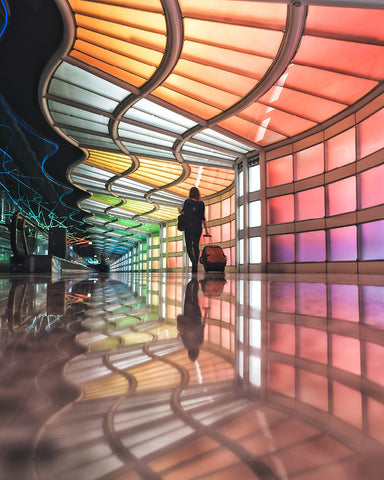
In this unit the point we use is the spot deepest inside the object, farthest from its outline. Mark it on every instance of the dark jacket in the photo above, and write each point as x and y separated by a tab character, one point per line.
195	210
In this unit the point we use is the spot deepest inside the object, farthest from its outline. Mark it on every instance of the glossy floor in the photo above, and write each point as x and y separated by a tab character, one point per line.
126	377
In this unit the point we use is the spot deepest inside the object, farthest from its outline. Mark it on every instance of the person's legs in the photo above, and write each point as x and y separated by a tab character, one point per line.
189	244
196	251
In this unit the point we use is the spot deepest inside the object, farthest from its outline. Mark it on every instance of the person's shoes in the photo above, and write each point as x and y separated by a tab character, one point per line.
194	269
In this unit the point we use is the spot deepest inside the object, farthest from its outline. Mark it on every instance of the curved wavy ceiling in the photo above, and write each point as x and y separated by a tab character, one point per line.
162	95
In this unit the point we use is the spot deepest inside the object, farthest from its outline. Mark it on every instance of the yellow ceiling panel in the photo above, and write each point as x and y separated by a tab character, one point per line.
208	180
111	162
137	207
164	213
157	173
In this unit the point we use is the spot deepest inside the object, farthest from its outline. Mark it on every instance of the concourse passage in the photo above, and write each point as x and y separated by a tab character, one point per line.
205	377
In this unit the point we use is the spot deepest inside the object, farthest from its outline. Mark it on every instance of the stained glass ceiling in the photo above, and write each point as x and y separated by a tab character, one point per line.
162	94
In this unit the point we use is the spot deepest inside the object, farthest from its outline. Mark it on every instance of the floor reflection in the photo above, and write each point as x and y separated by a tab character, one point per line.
205	377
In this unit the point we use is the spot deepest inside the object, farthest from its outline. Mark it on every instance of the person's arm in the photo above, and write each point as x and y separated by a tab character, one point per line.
205	222
182	210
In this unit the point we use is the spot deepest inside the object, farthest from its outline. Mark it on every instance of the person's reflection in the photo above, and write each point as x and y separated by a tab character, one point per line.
191	324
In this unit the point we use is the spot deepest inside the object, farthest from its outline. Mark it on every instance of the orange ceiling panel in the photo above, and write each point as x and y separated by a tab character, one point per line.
324	83
152	5
298	103
235	37
239	12
363	60
117	60
215	77
278	120
148	20
201	92
111	69
186	103
136	36
357	23
118	47
252	66
255	133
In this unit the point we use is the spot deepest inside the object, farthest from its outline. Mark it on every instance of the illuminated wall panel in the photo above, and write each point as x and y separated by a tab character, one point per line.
342	244
310	204
342	196
280	171
226	232
254	178
309	162
371	187
240	217
341	149
343	227
213	211
370	134
281	248
280	209
371	237
311	246
226	207
255	250
255	214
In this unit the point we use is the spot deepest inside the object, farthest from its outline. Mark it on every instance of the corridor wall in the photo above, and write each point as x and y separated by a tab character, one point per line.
324	200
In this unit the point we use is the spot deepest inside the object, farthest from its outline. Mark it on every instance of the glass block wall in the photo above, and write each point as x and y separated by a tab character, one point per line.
248	215
325	198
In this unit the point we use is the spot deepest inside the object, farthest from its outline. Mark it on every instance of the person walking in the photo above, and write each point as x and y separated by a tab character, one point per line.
194	209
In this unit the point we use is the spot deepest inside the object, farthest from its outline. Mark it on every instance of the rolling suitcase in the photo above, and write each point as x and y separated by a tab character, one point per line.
213	259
